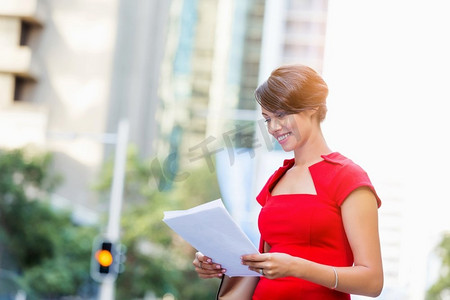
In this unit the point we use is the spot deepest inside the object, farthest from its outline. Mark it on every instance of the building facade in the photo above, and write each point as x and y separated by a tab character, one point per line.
69	72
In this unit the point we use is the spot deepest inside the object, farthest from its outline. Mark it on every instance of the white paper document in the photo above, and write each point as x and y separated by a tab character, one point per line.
210	229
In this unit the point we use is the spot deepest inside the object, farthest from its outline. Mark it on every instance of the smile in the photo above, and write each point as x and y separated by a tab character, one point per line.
283	137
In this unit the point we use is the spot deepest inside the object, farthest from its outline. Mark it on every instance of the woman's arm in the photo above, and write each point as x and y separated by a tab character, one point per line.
360	218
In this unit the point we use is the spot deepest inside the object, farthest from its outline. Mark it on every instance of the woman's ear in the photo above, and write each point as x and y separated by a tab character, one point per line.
313	111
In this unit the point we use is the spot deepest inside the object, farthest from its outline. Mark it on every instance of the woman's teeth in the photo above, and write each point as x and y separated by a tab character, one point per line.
283	137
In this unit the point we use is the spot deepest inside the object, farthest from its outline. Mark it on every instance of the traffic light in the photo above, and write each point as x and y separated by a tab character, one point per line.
104	261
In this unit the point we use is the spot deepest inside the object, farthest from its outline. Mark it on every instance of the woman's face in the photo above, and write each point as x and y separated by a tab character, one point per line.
290	130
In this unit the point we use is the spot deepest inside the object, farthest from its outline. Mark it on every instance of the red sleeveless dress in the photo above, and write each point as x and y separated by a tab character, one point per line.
309	226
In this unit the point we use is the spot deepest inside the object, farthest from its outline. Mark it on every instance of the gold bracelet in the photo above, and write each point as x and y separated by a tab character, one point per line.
336	278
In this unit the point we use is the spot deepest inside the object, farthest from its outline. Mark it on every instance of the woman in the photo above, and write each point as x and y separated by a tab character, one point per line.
319	216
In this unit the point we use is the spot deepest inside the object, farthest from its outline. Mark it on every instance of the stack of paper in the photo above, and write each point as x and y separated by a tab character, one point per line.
210	229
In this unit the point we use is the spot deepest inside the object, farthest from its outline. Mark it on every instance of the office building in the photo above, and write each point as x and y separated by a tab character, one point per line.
69	72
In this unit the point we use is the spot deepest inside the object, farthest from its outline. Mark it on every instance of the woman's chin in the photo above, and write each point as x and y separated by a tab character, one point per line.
286	147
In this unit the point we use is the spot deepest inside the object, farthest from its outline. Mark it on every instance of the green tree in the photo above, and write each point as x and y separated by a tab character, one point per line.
157	260
442	285
49	254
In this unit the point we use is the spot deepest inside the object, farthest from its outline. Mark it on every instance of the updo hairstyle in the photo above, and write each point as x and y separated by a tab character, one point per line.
292	89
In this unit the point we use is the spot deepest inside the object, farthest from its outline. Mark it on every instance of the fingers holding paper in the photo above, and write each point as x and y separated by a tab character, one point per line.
206	268
270	265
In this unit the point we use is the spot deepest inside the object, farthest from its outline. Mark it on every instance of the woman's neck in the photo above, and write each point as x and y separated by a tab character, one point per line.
311	152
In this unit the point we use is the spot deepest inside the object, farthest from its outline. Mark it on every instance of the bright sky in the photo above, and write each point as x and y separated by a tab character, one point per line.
388	69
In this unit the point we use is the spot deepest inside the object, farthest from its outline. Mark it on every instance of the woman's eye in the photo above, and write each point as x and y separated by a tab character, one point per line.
267	120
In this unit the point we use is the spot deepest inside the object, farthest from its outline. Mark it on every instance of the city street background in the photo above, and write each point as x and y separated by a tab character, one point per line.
182	73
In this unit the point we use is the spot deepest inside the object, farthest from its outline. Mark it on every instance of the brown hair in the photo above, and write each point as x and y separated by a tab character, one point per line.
293	88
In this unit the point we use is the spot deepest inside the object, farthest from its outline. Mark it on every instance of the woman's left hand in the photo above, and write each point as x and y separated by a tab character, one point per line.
270	265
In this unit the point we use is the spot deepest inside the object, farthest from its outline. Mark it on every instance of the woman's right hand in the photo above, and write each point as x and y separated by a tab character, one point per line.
206	268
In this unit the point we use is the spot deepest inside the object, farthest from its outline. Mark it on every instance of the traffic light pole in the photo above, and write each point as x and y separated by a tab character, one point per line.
107	287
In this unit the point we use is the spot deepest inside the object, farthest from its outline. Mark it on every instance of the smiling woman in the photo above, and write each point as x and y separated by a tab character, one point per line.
319	217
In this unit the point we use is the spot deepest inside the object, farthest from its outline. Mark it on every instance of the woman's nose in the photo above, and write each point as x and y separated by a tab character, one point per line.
274	125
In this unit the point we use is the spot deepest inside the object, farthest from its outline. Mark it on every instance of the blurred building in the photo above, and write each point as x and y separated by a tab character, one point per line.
20	24
209	73
294	32
69	71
